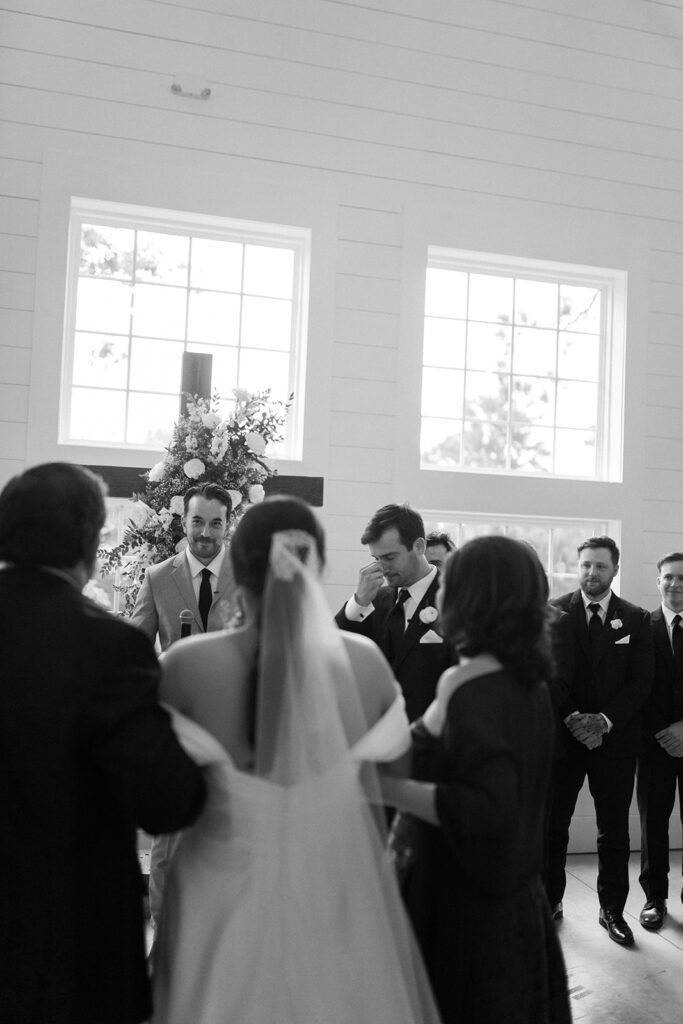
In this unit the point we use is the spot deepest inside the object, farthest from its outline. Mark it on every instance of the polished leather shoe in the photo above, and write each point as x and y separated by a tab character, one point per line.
557	911
653	913
617	929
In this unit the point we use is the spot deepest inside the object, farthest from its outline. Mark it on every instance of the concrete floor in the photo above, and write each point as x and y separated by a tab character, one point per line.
608	983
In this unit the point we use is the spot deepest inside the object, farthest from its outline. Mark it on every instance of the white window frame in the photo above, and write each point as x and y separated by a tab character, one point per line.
297	239
613	285
451	521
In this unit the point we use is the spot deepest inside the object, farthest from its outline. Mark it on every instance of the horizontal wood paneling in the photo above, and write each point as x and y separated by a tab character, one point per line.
15	365
362	430
348	463
356	395
13	403
16	326
377	363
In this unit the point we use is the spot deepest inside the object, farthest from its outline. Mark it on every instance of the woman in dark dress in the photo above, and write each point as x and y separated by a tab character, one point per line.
483	754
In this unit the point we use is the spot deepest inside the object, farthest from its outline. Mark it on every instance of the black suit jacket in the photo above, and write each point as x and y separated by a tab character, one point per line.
618	680
665	703
87	755
417	666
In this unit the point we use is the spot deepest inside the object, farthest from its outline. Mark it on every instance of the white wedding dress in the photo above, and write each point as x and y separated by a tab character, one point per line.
280	905
265	921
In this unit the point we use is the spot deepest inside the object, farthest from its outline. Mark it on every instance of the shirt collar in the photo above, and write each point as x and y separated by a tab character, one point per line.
604	604
668	616
196	566
418	589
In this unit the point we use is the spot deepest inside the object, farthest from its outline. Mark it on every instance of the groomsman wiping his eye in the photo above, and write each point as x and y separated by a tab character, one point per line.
395	604
606	684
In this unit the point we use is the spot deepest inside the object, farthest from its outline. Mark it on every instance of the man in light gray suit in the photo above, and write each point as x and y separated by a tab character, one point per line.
198	579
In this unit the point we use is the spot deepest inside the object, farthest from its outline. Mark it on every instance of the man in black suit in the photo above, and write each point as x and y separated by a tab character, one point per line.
400	614
660	767
87	755
604	690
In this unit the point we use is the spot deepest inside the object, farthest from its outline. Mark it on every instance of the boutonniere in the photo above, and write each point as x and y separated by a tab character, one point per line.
616	623
428	615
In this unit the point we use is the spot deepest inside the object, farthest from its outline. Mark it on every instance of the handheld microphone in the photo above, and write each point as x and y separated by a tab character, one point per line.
186	618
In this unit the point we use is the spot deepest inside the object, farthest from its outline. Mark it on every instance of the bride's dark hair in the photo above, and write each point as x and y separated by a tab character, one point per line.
250	543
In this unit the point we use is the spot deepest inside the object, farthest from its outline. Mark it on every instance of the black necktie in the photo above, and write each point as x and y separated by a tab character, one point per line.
396	623
594	625
205	596
677	639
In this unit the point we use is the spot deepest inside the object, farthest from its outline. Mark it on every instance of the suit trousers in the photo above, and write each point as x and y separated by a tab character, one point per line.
610	780
659	775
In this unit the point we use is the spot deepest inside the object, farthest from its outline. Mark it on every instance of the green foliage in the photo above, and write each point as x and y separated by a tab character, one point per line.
204	448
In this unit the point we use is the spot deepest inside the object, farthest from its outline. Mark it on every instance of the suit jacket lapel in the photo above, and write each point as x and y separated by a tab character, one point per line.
577	609
183	581
415	628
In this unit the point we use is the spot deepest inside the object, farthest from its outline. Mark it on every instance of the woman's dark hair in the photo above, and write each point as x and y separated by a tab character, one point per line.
52	515
250	543
494	599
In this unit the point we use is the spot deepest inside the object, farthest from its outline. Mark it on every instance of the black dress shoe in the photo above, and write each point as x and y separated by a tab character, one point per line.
617	929
557	911
653	913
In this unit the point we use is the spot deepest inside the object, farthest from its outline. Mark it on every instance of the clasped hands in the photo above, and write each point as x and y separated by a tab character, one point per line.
671	739
587	728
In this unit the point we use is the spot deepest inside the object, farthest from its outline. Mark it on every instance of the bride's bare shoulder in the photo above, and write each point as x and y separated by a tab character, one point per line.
201	660
370	668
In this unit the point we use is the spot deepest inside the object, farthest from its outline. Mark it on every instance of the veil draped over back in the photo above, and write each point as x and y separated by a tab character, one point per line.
282	905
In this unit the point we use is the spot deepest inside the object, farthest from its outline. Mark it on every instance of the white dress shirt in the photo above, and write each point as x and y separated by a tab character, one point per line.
357	612
196	567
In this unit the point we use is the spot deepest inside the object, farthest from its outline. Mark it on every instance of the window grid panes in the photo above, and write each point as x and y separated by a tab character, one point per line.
142	294
555	541
515	369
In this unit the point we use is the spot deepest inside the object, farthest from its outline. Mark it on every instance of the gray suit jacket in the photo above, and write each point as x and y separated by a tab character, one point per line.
167	589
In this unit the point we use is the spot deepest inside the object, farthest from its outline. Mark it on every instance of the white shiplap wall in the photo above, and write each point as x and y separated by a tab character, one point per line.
546	128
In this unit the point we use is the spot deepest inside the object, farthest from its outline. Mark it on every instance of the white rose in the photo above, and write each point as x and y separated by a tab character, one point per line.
177	505
211	420
255	442
235	498
194	468
256	493
428	615
156	473
241	394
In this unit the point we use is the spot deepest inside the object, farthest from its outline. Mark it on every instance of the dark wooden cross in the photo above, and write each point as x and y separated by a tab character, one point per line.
123	481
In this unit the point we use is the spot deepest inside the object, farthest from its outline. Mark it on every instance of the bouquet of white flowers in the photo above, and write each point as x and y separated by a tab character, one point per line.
205	448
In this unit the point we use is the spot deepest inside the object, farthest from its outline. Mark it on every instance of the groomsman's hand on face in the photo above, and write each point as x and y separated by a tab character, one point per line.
370	579
671	739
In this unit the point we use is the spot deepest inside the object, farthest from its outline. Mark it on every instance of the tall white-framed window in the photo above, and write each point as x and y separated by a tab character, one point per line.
554	540
523	366
144	286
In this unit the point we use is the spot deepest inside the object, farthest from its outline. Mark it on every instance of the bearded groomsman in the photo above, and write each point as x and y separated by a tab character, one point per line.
605	687
395	604
660	767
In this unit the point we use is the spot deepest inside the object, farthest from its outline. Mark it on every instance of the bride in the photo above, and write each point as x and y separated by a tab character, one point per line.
280	906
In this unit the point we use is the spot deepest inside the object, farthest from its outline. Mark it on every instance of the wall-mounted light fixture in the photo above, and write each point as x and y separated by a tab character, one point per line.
191	86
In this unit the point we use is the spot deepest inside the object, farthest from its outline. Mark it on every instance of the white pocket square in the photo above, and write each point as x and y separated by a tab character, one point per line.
624	640
431	637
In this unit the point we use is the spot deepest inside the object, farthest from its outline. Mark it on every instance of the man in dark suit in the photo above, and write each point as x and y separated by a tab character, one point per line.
660	767
400	614
604	690
87	755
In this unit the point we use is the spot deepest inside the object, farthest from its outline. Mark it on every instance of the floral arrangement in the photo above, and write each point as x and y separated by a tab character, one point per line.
204	448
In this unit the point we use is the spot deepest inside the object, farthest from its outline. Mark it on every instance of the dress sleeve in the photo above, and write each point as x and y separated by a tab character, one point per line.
477	791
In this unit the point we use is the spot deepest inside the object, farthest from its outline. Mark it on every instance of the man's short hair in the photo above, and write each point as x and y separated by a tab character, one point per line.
673	556
444	539
52	515
212	492
600	542
408	523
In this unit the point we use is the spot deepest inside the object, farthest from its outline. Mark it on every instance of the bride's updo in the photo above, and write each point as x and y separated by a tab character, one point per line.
250	543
